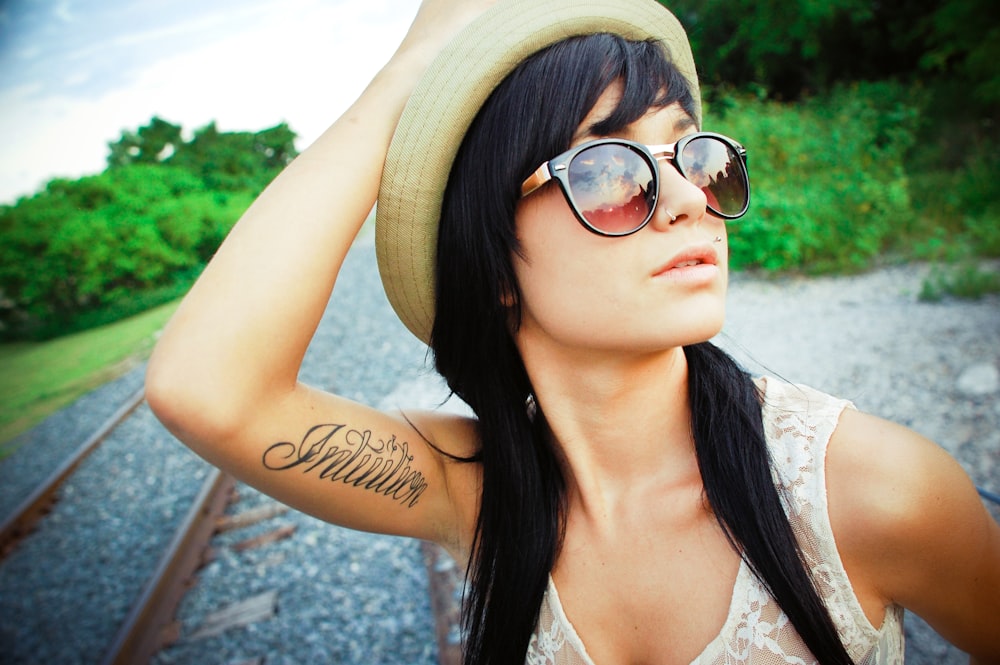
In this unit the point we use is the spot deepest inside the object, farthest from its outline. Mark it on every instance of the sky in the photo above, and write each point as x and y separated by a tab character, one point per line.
75	73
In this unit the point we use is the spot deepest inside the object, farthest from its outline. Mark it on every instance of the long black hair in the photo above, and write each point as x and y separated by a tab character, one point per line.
530	117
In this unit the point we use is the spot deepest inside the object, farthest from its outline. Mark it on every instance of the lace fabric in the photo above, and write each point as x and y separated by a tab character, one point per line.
798	423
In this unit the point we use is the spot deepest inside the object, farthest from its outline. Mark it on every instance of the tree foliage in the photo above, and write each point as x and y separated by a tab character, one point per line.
86	251
789	48
151	144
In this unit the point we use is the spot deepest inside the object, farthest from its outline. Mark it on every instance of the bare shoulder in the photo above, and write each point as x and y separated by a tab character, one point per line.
881	473
912	530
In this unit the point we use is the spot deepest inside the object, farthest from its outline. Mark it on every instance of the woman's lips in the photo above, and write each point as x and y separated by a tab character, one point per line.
692	263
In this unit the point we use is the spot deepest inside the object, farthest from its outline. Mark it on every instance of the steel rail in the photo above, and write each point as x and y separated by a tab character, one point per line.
144	631
34	506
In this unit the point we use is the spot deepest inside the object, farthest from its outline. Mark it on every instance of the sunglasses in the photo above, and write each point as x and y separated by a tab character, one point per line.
612	185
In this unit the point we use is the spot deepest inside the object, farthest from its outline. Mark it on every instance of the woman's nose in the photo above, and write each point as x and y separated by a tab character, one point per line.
679	199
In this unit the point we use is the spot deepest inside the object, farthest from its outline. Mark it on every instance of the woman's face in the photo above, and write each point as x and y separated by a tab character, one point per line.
661	287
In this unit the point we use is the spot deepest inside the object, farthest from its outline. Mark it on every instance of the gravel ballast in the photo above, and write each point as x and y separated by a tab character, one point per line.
345	597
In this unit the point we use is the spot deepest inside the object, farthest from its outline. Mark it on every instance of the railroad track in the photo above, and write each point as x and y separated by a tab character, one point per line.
144	631
150	623
148	626
25	516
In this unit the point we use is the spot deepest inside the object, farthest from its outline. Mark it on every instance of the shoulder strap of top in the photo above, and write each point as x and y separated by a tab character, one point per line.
798	424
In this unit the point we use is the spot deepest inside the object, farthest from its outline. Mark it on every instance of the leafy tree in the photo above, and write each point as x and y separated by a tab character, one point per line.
788	48
276	145
150	144
223	160
963	39
84	252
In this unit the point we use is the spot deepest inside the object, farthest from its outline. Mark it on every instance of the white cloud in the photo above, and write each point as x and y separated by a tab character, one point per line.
302	62
63	12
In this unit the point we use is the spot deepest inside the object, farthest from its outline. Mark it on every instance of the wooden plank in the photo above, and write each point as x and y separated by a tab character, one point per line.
250	517
280	533
243	613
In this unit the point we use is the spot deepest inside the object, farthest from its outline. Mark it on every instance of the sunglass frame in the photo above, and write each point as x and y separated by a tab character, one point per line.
557	169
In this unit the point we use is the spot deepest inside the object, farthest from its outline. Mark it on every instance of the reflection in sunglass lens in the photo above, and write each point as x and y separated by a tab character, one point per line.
612	186
714	167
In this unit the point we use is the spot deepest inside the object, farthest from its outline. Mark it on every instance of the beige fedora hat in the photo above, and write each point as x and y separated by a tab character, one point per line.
443	105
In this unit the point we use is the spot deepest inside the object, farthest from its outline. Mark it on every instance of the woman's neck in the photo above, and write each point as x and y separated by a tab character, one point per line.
621	425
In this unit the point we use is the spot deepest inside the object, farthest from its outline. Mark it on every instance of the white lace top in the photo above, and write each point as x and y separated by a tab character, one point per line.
798	422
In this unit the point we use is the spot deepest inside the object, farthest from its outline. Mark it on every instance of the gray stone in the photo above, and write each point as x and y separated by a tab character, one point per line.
977	380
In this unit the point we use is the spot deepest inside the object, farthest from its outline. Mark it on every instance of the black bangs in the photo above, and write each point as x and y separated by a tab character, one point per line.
647	81
554	90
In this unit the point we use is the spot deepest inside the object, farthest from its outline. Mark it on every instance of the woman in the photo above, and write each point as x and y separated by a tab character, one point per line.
625	494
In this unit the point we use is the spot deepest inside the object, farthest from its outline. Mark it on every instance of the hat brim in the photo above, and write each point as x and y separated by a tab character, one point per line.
447	99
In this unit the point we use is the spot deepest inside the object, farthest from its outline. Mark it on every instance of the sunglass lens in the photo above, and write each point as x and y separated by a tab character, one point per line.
612	187
715	167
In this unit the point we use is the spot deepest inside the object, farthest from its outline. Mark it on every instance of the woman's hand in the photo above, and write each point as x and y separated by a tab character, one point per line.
436	24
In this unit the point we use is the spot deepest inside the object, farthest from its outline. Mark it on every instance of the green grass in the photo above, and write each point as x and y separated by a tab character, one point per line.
38	378
967	280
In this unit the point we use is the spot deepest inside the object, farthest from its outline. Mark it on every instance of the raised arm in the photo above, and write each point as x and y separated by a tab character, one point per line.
223	376
912	530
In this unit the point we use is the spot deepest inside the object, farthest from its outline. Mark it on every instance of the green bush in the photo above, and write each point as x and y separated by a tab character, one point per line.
958	203
82	245
196	224
966	279
828	180
85	252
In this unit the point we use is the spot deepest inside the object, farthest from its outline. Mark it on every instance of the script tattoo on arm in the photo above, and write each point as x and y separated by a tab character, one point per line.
340	454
